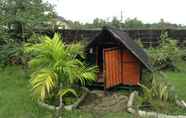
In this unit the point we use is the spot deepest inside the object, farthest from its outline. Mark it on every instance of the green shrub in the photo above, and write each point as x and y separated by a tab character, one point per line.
158	88
139	42
11	53
167	54
57	68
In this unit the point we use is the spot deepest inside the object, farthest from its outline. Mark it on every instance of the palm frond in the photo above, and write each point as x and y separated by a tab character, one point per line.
43	82
65	91
63	66
87	74
75	49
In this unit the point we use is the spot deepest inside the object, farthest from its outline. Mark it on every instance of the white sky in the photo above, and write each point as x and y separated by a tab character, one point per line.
148	11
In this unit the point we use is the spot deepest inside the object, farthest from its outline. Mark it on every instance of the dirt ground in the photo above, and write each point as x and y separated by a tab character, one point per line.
97	101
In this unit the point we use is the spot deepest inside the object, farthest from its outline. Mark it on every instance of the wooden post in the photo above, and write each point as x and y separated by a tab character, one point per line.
97	55
97	64
104	71
141	72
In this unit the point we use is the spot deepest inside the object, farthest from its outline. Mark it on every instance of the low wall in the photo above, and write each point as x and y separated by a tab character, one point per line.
149	37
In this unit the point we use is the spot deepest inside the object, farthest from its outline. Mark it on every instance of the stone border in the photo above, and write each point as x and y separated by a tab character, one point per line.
151	114
67	107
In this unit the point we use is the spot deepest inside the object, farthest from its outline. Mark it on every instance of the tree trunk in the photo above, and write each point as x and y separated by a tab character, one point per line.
58	112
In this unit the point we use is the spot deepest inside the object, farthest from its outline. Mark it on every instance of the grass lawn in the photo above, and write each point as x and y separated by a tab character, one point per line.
16	100
178	79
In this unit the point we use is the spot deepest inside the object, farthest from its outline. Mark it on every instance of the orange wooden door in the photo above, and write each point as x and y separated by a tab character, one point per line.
130	68
112	60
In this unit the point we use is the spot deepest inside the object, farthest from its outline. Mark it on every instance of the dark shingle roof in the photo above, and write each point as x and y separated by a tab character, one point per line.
124	38
130	44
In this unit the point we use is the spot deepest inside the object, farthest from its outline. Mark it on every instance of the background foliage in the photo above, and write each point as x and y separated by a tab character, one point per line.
167	55
122	24
18	18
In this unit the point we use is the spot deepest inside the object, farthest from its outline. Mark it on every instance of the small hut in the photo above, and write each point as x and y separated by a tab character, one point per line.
119	58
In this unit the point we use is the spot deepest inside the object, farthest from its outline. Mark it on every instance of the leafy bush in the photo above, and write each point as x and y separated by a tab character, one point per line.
184	52
155	87
167	54
11	53
57	68
139	42
157	94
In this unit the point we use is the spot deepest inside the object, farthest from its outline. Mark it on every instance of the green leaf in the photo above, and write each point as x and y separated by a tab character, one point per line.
43	82
55	62
65	91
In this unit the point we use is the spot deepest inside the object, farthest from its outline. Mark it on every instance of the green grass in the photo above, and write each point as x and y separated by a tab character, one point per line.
78	114
16	100
15	96
178	79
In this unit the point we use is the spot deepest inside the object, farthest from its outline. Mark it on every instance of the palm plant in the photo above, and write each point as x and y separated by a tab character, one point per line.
57	67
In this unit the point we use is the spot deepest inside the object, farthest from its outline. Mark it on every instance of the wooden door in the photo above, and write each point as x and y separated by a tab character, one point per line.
112	63
130	68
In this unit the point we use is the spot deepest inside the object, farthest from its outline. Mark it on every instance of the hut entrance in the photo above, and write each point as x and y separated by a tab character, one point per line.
112	67
121	67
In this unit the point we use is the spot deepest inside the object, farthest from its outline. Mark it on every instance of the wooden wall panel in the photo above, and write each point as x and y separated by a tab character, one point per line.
112	67
131	73
130	68
121	67
127	57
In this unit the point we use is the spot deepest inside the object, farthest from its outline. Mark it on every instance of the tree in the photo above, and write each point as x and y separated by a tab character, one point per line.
98	23
20	15
133	23
57	68
116	23
18	18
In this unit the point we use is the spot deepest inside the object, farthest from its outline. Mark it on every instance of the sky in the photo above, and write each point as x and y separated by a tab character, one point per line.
149	11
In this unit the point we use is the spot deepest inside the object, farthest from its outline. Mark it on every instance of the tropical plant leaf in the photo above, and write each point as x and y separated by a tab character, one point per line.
57	63
65	91
43	82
